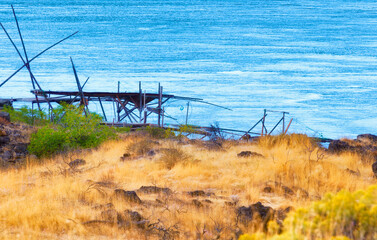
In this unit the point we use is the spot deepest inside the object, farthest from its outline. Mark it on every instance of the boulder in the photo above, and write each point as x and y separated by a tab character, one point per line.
197	203
5	116
154	190
338	146
367	137
249	154
4	140
20	148
5	102
125	156
128	196
77	162
255	212
198	193
136	219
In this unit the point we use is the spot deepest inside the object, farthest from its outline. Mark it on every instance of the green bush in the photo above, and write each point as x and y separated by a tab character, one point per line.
71	130
338	216
27	115
159	133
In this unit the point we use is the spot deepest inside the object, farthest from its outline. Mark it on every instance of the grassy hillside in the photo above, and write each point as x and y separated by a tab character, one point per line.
194	189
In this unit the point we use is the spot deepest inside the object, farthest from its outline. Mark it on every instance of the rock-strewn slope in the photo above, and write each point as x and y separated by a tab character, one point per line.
14	139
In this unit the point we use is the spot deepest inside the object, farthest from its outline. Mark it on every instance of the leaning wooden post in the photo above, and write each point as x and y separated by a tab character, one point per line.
187	112
288	126
264	118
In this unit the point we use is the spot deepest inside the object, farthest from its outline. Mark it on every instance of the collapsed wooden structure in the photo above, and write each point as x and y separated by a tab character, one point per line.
132	108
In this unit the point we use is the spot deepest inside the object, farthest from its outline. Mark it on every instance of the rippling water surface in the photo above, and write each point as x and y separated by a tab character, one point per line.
314	59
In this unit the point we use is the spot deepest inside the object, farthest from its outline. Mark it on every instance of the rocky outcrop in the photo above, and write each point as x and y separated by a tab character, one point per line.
256	213
249	154
76	163
128	196
14	140
154	190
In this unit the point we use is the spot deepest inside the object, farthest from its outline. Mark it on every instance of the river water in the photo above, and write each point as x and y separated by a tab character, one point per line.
314	59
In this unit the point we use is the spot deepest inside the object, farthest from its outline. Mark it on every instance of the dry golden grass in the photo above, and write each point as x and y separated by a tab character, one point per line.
53	201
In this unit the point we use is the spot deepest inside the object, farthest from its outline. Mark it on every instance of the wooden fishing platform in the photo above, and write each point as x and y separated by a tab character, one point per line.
132	108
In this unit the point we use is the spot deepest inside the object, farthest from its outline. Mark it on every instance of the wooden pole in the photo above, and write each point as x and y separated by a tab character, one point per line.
283	122
159	103
264	118
26	57
188	105
288	126
39	54
118	106
140	101
163	114
103	111
79	88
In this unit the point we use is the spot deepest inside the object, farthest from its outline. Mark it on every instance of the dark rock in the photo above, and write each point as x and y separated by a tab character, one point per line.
249	154
154	189
76	163
207	201
374	168
282	213
20	148
369	137
151	153
268	189
136	218
4	140
129	196
287	190
197	203
338	146
254	212
198	193
104	206
230	204
109	215
125	157
7	155
5	116
5	102
352	172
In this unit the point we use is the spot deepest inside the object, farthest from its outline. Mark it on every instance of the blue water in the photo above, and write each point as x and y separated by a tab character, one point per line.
314	59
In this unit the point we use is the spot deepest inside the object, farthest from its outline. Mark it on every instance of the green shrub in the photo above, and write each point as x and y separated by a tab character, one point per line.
338	216
27	115
71	130
159	133
47	141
